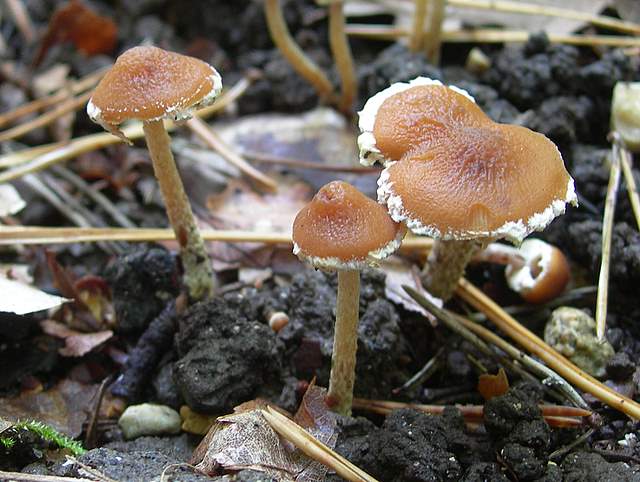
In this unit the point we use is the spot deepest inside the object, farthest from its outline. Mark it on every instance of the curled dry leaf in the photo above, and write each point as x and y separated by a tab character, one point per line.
21	299
245	440
10	200
74	22
76	343
491	386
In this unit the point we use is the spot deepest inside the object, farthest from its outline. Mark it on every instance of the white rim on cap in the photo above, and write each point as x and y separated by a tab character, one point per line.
332	263
369	152
514	231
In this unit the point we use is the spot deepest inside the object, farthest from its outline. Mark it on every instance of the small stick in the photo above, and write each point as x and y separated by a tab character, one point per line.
293	53
49	235
607	228
421	375
535	345
22	19
632	188
22	477
492	35
313	448
93	142
74	88
301	164
550	11
416	40
342	57
47	118
213	140
433	38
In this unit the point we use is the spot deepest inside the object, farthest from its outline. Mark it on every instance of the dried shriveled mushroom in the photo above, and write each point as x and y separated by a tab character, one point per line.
343	230
453	174
150	84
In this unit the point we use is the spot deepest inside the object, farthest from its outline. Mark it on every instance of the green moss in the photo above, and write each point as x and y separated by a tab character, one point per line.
51	435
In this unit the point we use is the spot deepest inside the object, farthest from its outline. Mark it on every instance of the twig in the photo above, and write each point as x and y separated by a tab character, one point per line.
416	39
551	413
55	235
97	197
293	53
421	375
535	345
342	57
74	88
90	436
433	38
569	447
47	118
632	188
22	19
550	11
313	448
607	229
302	164
213	140
93	142
52	198
22	477
492	35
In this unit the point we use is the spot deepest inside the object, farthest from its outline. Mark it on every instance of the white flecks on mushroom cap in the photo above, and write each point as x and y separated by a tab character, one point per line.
522	278
515	230
334	264
369	152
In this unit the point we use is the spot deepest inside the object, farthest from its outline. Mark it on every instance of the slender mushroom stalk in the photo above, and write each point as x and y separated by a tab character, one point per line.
150	84
455	175
342	230
342	57
293	53
433	39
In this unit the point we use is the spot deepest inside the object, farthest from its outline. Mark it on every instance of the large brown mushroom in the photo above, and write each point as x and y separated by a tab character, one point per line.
150	84
343	230
453	174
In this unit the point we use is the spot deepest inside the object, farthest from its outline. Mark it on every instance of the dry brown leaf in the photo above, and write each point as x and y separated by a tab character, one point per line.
64	407
74	22
76	343
10	200
491	386
245	440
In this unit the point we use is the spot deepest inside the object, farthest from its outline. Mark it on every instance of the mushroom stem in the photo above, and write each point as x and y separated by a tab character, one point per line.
416	41
345	342
445	265
433	39
299	61
198	271
342	56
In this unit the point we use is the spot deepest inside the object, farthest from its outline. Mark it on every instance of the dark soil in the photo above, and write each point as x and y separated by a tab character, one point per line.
222	352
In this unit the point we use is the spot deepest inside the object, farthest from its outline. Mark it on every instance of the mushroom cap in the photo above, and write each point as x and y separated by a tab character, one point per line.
149	83
341	228
453	173
544	275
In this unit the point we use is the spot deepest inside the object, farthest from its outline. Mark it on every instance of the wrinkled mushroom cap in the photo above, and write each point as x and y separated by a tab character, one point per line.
454	174
149	83
343	229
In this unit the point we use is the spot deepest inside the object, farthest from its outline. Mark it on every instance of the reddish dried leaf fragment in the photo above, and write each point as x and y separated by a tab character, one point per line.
491	386
74	22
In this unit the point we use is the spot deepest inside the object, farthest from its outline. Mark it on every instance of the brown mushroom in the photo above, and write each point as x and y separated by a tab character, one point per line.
150	84
343	230
454	174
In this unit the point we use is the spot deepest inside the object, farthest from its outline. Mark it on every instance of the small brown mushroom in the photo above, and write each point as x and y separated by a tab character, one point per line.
150	84
455	175
343	230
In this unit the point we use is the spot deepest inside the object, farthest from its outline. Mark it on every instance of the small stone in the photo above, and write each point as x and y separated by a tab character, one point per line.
149	419
572	332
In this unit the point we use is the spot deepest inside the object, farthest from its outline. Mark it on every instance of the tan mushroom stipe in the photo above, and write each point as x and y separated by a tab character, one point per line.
151	84
341	229
454	174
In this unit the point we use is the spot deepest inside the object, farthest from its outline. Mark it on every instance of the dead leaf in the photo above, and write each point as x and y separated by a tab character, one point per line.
194	422
64	407
399	272
77	344
245	440
10	200
21	299
491	386
74	22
